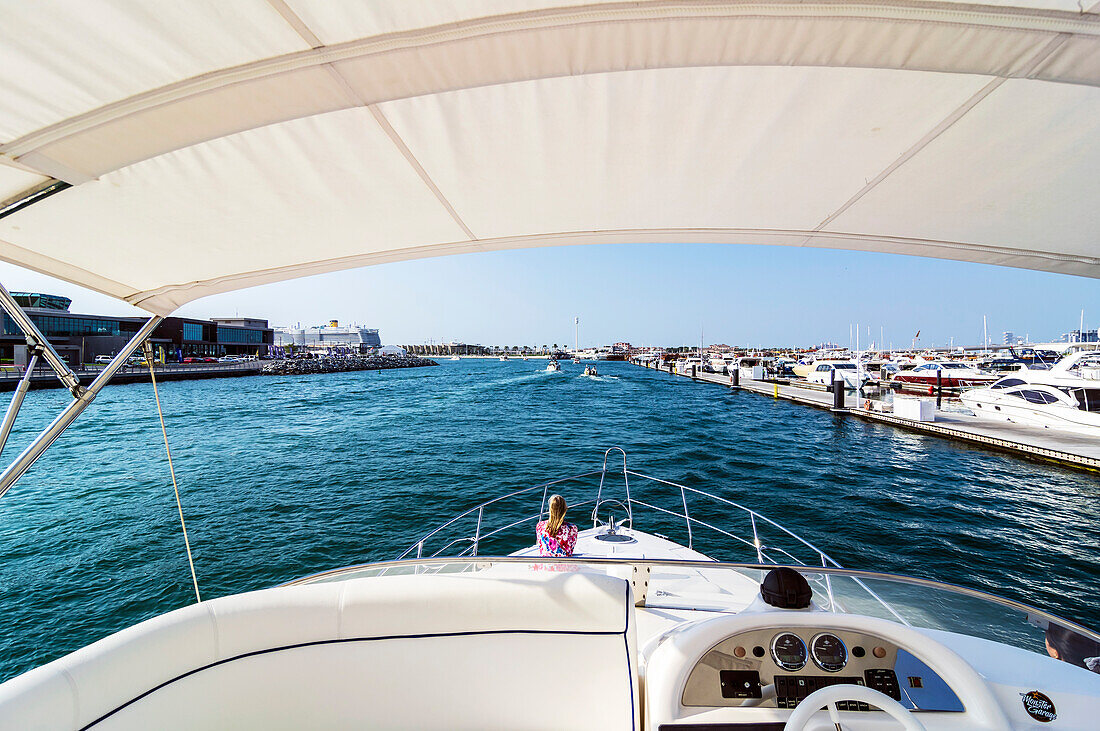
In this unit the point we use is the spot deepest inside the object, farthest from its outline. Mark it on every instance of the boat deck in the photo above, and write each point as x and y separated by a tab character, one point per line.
1064	448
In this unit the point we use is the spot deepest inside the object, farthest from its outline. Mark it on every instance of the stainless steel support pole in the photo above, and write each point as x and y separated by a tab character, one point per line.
17	400
477	534
35	336
41	443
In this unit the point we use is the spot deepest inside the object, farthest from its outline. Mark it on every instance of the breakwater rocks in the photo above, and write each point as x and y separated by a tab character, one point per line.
342	363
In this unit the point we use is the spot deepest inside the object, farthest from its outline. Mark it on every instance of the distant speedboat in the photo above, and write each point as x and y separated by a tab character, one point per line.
553	365
590	370
504	357
455	357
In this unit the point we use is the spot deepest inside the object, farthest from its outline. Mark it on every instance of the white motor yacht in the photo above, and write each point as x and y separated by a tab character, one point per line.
689	366
809	363
826	372
163	156
950	374
1065	397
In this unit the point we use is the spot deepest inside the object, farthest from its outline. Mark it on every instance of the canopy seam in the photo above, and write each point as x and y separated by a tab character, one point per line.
457	247
416	166
945	124
295	21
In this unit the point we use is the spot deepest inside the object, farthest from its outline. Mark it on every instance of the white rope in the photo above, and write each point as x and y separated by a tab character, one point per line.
172	470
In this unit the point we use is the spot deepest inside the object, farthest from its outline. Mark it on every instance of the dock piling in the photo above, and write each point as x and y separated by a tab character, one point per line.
838	390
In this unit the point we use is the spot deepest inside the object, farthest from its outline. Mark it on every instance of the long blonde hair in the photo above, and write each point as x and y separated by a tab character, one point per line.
557	515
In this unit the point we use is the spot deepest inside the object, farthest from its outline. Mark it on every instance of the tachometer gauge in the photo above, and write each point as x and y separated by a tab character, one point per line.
789	651
829	652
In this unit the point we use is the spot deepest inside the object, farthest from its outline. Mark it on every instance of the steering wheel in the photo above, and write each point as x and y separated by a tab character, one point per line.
829	695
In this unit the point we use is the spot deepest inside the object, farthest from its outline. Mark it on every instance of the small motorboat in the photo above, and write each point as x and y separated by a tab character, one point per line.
590	370
553	365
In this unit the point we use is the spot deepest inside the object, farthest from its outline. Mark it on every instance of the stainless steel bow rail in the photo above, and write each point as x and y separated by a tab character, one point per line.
469	544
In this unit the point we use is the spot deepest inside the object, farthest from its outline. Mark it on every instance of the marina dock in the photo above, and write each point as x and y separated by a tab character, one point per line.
1066	449
45	378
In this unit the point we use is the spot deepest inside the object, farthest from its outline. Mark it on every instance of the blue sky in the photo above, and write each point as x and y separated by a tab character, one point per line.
657	294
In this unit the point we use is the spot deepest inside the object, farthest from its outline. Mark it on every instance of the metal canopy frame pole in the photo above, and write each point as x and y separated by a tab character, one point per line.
17	399
82	398
36	339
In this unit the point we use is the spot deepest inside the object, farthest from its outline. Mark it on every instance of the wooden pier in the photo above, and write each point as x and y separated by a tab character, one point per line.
1066	449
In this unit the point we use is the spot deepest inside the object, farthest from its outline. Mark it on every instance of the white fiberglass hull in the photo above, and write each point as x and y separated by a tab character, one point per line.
989	404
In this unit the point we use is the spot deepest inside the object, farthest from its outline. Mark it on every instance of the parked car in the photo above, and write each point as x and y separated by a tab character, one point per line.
103	359
192	359
229	359
209	359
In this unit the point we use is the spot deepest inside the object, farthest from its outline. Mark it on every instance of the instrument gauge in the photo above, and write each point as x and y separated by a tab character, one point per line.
789	651
829	652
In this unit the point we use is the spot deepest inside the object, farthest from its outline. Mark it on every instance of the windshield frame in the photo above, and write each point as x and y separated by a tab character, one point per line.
381	567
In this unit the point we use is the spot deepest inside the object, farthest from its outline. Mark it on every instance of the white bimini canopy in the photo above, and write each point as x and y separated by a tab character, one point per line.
160	152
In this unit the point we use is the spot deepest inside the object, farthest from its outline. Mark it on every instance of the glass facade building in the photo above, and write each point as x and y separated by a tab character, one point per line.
239	335
192	331
80	339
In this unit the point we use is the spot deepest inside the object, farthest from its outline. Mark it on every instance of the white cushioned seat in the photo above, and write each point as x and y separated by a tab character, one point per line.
540	650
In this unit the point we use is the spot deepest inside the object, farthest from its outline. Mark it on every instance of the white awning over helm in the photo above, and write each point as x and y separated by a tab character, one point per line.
212	146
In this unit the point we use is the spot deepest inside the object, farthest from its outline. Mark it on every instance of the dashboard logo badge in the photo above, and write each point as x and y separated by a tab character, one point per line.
1039	707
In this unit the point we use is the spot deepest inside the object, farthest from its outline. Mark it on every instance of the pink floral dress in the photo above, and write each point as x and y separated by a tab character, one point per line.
559	545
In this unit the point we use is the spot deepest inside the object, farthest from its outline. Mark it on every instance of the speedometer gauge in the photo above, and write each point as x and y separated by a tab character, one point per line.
829	652
789	651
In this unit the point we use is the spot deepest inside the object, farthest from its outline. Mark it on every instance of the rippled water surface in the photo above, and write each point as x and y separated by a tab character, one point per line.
286	476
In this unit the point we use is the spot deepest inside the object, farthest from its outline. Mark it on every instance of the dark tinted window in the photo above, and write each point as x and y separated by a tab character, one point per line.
1007	382
1035	397
1088	399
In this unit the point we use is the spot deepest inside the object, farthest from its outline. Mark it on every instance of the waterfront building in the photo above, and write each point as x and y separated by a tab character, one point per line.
1081	336
80	338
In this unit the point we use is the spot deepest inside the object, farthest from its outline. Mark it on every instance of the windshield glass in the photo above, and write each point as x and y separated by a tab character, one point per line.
844	366
714	587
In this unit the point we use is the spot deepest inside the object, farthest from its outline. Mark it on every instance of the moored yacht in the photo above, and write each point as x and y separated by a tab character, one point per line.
829	371
809	363
951	374
1065	396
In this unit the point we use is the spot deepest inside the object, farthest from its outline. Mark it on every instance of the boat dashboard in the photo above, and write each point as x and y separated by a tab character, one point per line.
778	667
755	670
